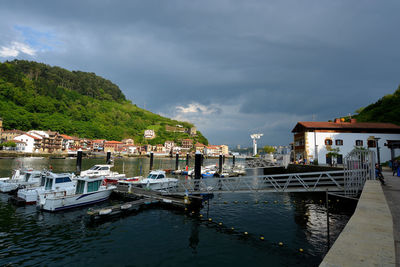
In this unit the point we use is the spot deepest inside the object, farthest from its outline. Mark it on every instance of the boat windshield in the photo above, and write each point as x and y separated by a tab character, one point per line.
93	186
152	176
80	186
94	168
27	175
42	180
49	184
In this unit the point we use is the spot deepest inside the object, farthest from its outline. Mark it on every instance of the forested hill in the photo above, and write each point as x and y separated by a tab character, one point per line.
38	96
386	109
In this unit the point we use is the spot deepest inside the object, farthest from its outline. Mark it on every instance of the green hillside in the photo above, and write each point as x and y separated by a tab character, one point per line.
37	96
386	109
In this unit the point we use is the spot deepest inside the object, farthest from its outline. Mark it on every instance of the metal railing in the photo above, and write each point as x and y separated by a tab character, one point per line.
293	182
359	166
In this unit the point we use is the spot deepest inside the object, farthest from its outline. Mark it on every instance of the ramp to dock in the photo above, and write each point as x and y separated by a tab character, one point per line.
367	239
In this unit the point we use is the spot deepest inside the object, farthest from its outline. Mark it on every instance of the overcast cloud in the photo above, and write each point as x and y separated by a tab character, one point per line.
231	67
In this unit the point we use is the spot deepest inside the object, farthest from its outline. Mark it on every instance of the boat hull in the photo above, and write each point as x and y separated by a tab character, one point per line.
74	201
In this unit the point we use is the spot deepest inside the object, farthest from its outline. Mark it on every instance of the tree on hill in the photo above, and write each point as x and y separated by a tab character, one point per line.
386	109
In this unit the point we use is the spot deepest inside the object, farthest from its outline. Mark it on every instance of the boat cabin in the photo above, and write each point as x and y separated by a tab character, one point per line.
156	175
98	170
31	176
86	185
56	181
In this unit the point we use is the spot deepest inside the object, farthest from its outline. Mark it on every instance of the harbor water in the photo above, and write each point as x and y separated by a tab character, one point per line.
161	237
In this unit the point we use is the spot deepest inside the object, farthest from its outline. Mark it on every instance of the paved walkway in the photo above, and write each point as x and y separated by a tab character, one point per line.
392	194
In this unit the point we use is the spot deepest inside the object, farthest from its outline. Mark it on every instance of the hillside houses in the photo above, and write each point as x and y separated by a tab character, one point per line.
41	141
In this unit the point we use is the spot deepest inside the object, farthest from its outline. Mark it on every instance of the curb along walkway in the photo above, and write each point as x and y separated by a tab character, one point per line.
392	194
367	239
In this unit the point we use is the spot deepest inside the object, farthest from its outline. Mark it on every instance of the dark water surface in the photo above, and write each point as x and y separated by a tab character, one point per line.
159	237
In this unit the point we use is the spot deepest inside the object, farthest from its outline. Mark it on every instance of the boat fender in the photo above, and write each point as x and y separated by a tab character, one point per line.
105	211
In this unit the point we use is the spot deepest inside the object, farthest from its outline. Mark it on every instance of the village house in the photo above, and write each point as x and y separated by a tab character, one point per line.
212	150
113	146
314	140
187	144
98	145
193	131
32	143
169	145
149	134
67	142
199	147
224	150
20	146
128	141
9	135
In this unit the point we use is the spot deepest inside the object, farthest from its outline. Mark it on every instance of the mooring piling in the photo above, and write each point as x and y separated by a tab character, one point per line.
220	164
78	162
177	161
151	160
108	160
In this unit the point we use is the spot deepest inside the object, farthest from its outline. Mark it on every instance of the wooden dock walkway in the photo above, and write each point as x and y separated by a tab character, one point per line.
142	197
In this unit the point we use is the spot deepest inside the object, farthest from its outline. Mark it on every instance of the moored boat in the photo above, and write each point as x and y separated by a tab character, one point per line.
50	183
89	190
156	180
20	178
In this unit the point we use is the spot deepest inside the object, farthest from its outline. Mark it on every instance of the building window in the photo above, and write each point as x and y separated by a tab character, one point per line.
339	142
371	143
328	142
359	143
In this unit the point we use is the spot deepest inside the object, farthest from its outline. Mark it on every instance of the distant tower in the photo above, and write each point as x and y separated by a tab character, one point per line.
255	137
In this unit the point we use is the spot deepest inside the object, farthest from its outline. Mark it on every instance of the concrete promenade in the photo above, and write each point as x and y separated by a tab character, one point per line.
367	239
392	194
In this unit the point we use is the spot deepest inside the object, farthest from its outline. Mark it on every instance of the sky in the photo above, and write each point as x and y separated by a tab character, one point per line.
231	67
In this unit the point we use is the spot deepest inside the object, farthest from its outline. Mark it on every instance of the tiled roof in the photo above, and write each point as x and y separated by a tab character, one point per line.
32	136
67	137
113	142
345	125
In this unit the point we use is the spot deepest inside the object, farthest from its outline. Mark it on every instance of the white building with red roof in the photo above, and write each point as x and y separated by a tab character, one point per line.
32	142
314	140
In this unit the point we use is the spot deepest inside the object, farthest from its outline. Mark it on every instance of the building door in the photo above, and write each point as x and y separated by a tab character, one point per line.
339	159
328	160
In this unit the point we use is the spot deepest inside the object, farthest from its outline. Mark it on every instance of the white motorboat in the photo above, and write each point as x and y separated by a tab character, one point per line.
102	170
89	190
158	181
20	178
50	183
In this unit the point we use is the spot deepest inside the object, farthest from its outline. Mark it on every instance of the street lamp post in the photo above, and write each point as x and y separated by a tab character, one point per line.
377	151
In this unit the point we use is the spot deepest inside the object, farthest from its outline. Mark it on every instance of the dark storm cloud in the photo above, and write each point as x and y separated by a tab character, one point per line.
257	62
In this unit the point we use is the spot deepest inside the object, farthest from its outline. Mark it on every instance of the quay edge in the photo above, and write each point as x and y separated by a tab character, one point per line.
367	239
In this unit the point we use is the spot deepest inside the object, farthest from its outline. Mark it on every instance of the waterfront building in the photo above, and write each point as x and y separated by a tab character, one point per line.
187	144
224	150
32	143
128	141
20	146
98	145
1	126
67	142
113	146
169	145
9	135
199	147
315	140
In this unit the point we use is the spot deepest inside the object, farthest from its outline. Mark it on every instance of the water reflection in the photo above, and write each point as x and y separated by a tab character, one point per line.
29	237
